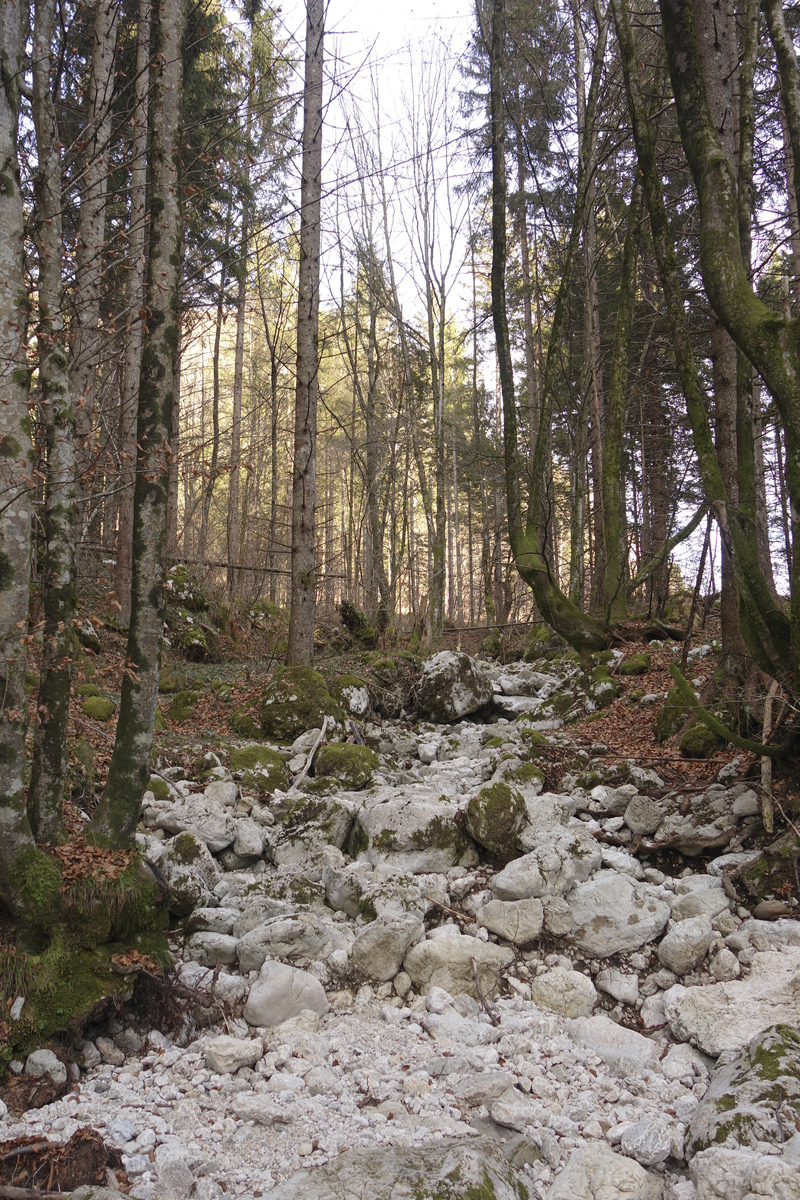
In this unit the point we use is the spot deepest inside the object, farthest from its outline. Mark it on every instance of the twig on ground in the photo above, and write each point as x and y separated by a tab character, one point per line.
452	911
309	760
491	1014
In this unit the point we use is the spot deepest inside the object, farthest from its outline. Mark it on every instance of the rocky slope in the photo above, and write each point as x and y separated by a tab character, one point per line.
437	979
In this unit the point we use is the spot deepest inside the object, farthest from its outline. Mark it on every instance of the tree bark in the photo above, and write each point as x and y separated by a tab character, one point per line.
114	821
49	767
300	648
132	360
16	464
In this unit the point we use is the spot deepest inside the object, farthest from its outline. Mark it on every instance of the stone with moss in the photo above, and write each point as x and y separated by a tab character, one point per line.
699	742
384	669
246	722
745	1096
453	685
602	688
671	717
352	766
221	690
87	689
167	685
495	817
309	824
182	704
98	708
410	834
160	789
637	664
195	645
352	693
774	870
161	722
261	768
185	591
492	644
526	775
294	700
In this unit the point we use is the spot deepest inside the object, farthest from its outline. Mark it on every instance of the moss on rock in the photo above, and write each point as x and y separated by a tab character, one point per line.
699	742
181	706
525	773
296	699
601	686
87	689
351	765
637	664
261	768
352	693
98	708
670	718
495	817
246	722
159	788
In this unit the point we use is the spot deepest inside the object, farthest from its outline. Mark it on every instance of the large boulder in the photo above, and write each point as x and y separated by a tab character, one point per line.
352	766
446	962
452	686
414	831
726	1016
281	992
204	817
722	1174
746	1096
452	1170
562	857
261	768
685	945
308	936
309	824
191	872
613	913
518	921
625	1051
595	1172
296	699
495	816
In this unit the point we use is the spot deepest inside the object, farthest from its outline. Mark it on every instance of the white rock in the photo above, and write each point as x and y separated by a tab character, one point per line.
569	993
518	921
707	902
309	936
611	913
445	962
45	1062
249	840
412	830
281	992
121	1130
725	1016
212	920
643	816
595	1172
229	988
619	860
647	1141
427	752
619	984
686	945
625	1051
720	1174
174	1176
725	966
379	950
452	685
224	792
204	817
652	1011
209	949
225	1054
544	872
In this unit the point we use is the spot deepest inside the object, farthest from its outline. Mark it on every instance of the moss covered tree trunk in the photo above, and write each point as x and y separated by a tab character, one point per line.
49	769
300	649
114	822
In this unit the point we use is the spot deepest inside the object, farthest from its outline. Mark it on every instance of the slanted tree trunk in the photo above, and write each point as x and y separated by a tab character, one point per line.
300	649
49	768
114	821
132	360
18	854
91	230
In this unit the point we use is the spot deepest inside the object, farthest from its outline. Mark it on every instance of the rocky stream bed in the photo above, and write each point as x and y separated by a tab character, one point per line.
437	980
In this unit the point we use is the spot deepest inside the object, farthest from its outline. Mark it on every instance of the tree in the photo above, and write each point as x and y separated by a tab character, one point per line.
300	650
114	821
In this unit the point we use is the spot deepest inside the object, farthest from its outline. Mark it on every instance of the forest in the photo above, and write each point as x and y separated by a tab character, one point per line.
295	362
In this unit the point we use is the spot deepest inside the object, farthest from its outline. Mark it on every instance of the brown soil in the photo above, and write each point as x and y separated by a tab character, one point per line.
50	1166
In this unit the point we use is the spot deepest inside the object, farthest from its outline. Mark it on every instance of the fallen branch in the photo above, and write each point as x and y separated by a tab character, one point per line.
310	759
491	1014
452	911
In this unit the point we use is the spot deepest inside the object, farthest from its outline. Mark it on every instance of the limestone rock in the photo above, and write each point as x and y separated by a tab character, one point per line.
191	872
249	840
445	962
706	902
544	872
740	1107
725	1016
210	949
647	1141
595	1172
518	921
643	816
415	831
281	992
45	1062
310	824
619	984
379	950
686	945
175	1179
612	913
205	818
452	686
567	992
454	1168
294	700
720	1174
225	1054
625	1051
495	816
307	936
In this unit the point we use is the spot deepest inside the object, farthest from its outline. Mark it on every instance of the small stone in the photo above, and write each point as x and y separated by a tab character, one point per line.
567	992
427	752
746	804
121	1130
175	1179
621	986
45	1062
225	1054
686	945
304	1149
109	1052
402	984
725	966
643	816
15	1012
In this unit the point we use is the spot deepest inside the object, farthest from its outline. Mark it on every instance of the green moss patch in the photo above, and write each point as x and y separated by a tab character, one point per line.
525	773
87	689
296	699
351	765
98	708
495	817
699	742
246	722
180	708
261	767
670	718
159	788
637	664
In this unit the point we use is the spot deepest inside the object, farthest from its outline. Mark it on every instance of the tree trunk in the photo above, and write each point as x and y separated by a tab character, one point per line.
17	848
91	240
234	577
114	821
300	648
132	359
49	768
